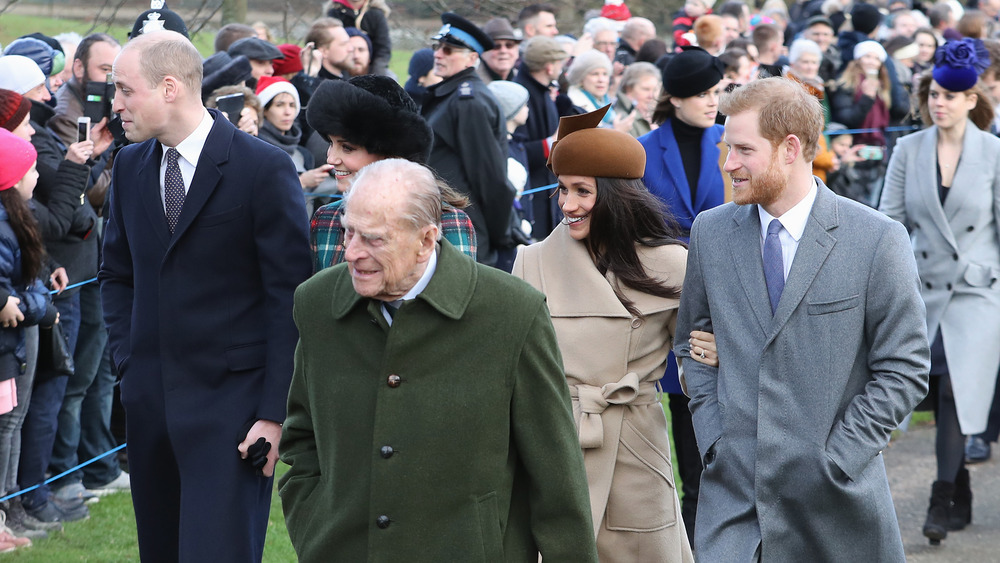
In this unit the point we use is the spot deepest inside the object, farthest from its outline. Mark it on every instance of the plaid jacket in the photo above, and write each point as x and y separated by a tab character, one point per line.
326	235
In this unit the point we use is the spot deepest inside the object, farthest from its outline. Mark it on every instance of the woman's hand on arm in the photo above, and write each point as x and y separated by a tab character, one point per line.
703	348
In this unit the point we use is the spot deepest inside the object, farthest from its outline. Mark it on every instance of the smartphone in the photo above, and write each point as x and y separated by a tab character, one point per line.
82	129
871	152
96	105
232	105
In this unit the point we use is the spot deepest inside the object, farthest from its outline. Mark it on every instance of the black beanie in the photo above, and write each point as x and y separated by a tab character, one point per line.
865	18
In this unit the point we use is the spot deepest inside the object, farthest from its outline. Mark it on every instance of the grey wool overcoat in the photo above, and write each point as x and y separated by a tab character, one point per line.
792	423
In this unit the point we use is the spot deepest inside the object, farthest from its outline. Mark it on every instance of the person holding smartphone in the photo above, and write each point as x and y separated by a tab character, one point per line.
866	97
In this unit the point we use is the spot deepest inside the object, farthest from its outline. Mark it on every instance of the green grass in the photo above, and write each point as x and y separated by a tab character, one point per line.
109	535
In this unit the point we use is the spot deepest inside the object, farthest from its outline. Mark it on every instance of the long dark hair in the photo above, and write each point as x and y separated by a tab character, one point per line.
626	214
25	228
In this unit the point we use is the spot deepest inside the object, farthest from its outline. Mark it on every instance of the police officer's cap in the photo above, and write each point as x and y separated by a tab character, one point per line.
461	32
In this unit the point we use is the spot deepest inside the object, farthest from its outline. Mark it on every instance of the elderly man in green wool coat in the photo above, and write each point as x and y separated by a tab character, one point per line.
428	416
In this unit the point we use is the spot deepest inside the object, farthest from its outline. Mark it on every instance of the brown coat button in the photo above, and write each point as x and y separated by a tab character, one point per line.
394	381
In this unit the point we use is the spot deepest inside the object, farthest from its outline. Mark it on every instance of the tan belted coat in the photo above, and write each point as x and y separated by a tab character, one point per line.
613	361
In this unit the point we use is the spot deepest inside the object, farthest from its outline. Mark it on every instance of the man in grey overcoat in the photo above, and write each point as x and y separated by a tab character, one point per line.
822	348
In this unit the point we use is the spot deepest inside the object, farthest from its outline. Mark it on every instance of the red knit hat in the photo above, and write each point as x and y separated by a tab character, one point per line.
13	109
615	10
16	158
291	63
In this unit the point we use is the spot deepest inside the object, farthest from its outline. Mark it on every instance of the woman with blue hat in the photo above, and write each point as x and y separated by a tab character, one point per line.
943	183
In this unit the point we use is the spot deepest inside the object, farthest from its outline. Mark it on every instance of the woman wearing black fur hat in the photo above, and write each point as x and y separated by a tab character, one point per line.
366	119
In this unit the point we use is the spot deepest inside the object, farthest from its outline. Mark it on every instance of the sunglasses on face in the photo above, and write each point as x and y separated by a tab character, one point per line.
505	45
447	48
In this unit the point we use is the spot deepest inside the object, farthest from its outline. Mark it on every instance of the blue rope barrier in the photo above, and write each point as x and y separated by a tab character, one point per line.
63	474
77	284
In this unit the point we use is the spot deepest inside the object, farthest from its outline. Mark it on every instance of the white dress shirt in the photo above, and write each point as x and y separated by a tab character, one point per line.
190	150
416	289
794	223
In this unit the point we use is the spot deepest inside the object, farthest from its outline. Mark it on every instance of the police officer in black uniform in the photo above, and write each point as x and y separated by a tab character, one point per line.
470	137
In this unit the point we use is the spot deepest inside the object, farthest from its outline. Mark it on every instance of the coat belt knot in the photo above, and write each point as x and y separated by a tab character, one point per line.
592	402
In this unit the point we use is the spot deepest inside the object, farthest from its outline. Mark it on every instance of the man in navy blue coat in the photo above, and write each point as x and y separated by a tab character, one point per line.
207	238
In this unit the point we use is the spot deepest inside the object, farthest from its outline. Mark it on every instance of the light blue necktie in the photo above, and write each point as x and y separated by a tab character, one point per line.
774	268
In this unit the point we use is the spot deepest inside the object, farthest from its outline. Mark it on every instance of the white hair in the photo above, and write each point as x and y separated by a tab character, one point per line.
804	46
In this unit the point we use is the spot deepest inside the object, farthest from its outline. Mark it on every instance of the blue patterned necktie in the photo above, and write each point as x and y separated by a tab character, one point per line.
774	268
173	189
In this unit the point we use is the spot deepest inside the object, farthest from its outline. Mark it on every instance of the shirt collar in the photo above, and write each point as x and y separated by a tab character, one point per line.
794	220
424	279
190	148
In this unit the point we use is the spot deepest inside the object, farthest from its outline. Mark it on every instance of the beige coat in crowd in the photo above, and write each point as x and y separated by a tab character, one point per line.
613	361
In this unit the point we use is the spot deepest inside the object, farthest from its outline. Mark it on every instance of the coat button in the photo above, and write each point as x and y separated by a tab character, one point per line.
386	452
636	323
970	228
929	286
709	457
393	381
924	254
948	287
382	521
955	257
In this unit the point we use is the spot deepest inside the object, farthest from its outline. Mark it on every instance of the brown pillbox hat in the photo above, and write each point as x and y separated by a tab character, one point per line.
583	149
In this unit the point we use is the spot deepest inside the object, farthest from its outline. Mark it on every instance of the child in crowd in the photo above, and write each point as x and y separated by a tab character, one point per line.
844	179
25	300
513	101
684	20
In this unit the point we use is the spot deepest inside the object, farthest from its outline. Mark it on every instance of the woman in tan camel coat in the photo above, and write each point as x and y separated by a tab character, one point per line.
612	273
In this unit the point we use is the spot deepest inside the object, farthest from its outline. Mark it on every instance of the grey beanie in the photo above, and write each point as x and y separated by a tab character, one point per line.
511	97
586	62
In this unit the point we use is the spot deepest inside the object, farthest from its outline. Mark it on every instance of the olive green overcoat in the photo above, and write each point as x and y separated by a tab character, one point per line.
447	437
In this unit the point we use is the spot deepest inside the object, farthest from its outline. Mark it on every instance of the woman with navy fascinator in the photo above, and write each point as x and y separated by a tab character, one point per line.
943	183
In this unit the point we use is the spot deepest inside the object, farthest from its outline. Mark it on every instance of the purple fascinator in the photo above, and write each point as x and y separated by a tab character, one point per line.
958	64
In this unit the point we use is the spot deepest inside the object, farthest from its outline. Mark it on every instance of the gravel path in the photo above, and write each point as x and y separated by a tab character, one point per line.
911	468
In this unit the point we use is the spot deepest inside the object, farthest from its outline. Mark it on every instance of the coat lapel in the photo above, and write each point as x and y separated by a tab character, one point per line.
576	288
674	167
148	185
814	246
967	173
746	253
927	185
206	177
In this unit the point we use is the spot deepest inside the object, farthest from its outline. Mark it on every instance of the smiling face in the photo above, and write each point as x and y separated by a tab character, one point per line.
752	162
596	82
699	110
281	112
926	45
870	63
347	159
577	196
386	255
948	108
139	104
502	57
807	66
644	94
821	34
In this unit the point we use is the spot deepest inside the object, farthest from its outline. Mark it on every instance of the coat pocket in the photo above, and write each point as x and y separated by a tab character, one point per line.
980	275
219	218
246	356
642	496
834	306
489	526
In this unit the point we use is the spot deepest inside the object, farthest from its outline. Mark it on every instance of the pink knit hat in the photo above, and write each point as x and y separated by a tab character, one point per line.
16	158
